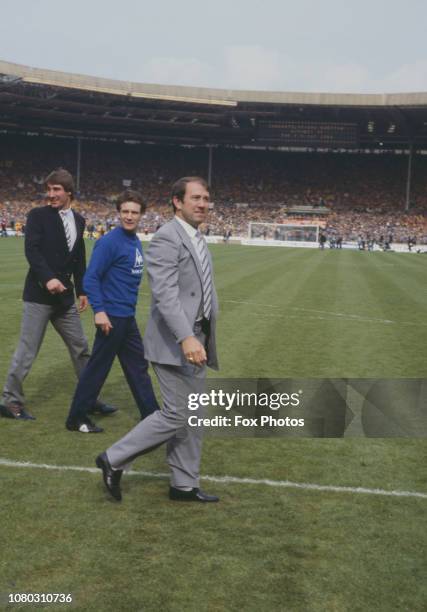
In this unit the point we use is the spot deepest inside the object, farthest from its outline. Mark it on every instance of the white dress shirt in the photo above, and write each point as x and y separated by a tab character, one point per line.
67	217
192	231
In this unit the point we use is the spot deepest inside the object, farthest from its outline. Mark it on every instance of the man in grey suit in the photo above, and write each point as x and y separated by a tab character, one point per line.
179	342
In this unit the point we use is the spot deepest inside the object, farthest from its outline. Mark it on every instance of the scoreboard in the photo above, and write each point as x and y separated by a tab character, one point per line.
310	133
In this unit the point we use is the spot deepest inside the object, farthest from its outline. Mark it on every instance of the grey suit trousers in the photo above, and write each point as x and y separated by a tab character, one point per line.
33	328
184	443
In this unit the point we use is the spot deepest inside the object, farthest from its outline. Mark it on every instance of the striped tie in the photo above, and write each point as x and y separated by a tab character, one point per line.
207	277
67	229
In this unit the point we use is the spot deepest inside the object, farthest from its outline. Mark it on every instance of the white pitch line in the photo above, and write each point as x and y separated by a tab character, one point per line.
329	317
228	480
342	315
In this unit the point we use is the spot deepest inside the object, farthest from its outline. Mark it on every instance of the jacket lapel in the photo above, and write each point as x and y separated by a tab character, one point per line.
60	230
79	231
189	245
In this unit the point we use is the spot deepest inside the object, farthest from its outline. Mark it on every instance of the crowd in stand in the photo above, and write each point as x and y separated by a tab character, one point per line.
355	194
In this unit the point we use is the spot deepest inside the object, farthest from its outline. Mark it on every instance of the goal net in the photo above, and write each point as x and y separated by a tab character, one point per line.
284	232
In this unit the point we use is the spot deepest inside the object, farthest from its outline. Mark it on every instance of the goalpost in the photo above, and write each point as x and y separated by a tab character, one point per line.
284	232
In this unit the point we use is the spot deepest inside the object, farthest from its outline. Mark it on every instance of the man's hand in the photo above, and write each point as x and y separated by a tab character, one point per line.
55	286
194	351
83	303
103	322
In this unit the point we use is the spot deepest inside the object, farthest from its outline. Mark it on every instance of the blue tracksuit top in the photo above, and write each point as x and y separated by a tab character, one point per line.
114	274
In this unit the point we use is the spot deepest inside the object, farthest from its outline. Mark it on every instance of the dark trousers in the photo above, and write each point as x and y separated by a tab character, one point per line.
125	341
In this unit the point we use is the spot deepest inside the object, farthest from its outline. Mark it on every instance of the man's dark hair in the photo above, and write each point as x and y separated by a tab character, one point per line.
60	176
180	186
130	195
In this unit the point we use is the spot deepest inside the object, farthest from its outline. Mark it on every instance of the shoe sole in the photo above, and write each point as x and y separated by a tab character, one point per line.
72	428
193	499
197	501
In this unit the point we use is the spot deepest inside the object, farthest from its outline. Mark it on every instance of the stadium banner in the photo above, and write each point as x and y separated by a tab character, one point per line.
309	408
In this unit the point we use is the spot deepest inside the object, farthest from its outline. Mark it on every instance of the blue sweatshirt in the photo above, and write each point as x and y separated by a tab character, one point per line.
114	274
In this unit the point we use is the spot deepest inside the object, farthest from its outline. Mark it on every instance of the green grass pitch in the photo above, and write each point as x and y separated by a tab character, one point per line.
284	313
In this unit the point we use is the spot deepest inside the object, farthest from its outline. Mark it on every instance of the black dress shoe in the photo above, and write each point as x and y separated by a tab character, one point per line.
101	408
84	426
194	495
111	477
15	410
26	415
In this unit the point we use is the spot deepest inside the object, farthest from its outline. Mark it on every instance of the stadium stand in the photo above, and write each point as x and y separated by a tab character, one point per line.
341	161
348	194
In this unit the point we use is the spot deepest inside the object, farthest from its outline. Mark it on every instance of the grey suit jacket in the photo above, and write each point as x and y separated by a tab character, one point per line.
176	282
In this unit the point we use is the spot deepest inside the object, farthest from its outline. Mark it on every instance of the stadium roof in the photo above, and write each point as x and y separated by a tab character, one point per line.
57	103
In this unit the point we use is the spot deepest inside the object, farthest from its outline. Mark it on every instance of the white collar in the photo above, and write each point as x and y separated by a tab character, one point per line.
191	231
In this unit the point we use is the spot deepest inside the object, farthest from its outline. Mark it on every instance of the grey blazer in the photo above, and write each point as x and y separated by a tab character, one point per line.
176	282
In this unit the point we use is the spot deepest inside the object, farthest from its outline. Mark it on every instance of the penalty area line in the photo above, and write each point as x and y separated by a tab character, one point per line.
305	486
